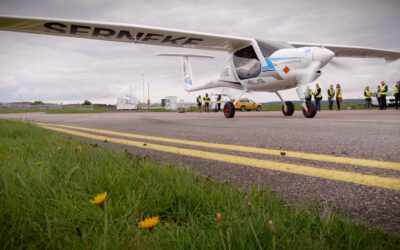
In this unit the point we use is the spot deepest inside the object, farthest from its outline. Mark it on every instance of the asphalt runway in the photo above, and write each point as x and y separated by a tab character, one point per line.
348	161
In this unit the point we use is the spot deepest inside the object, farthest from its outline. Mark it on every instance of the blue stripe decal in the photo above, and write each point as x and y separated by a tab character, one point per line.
283	58
269	66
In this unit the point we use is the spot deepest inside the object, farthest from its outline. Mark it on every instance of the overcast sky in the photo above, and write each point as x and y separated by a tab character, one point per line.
59	69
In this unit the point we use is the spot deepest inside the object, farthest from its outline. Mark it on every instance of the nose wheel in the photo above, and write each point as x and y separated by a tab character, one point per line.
311	110
288	108
229	110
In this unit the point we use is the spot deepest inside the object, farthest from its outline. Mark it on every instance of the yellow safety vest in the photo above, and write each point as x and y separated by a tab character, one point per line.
219	100
384	90
331	93
206	99
395	89
317	93
339	92
199	100
367	94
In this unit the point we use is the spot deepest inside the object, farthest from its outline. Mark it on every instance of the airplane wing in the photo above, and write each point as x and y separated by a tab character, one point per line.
216	84
353	51
124	33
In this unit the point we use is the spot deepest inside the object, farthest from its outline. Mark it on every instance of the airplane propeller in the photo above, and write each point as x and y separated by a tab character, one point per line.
338	64
309	74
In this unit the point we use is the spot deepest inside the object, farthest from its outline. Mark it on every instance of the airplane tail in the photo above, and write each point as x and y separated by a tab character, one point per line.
187	69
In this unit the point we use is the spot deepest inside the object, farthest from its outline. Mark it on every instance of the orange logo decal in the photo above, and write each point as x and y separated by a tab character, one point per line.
286	69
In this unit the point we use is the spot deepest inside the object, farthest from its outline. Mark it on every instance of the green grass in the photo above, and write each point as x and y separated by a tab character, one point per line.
54	111
13	111
47	181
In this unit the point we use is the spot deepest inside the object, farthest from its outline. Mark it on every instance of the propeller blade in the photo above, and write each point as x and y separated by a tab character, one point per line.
310	73
338	64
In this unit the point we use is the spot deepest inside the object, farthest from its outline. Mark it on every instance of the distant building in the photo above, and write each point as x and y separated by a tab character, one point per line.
171	102
127	103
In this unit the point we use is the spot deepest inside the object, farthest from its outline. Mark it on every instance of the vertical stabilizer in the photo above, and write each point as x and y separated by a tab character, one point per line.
187	69
187	73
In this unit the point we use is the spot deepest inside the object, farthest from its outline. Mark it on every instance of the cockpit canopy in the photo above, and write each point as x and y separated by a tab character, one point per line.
248	65
269	47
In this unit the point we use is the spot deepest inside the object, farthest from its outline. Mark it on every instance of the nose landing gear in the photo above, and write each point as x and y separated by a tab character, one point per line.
311	110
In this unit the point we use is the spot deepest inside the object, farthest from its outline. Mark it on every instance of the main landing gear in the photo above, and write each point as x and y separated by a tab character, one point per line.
309	109
288	108
229	110
229	107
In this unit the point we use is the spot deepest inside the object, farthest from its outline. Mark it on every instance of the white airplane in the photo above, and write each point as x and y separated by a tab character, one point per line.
254	65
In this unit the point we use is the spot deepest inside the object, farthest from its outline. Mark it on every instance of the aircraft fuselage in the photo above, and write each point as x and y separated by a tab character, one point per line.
282	70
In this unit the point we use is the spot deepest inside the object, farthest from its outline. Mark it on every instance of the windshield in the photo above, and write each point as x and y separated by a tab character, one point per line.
246	63
269	47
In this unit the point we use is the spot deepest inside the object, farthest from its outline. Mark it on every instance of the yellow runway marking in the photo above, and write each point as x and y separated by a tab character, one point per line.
298	155
363	179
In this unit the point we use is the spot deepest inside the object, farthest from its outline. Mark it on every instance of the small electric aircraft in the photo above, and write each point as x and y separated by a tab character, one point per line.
253	65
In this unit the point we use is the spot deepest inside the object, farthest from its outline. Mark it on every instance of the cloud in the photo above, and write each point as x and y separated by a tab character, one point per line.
34	67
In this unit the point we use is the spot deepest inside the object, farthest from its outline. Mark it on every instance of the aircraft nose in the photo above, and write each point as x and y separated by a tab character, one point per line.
323	55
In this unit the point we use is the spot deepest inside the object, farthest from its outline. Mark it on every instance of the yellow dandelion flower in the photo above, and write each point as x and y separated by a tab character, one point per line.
219	216
99	199
149	222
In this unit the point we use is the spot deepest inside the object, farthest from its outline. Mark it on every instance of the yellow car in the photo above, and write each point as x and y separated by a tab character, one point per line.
245	104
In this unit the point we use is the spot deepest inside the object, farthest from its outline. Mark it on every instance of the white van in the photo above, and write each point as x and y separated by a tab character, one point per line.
390	101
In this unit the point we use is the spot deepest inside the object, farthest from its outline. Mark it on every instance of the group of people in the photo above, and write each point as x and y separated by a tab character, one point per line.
381	94
336	94
333	94
206	99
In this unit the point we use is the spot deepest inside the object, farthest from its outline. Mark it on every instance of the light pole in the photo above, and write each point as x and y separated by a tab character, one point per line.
148	94
143	87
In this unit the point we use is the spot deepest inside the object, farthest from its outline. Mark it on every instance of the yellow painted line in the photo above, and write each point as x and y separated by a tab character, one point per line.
363	179
291	154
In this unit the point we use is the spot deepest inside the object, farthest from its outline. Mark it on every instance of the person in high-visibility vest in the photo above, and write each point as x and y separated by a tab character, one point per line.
339	97
396	93
199	103
219	101
378	95
318	97
367	97
383	93
206	102
331	95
